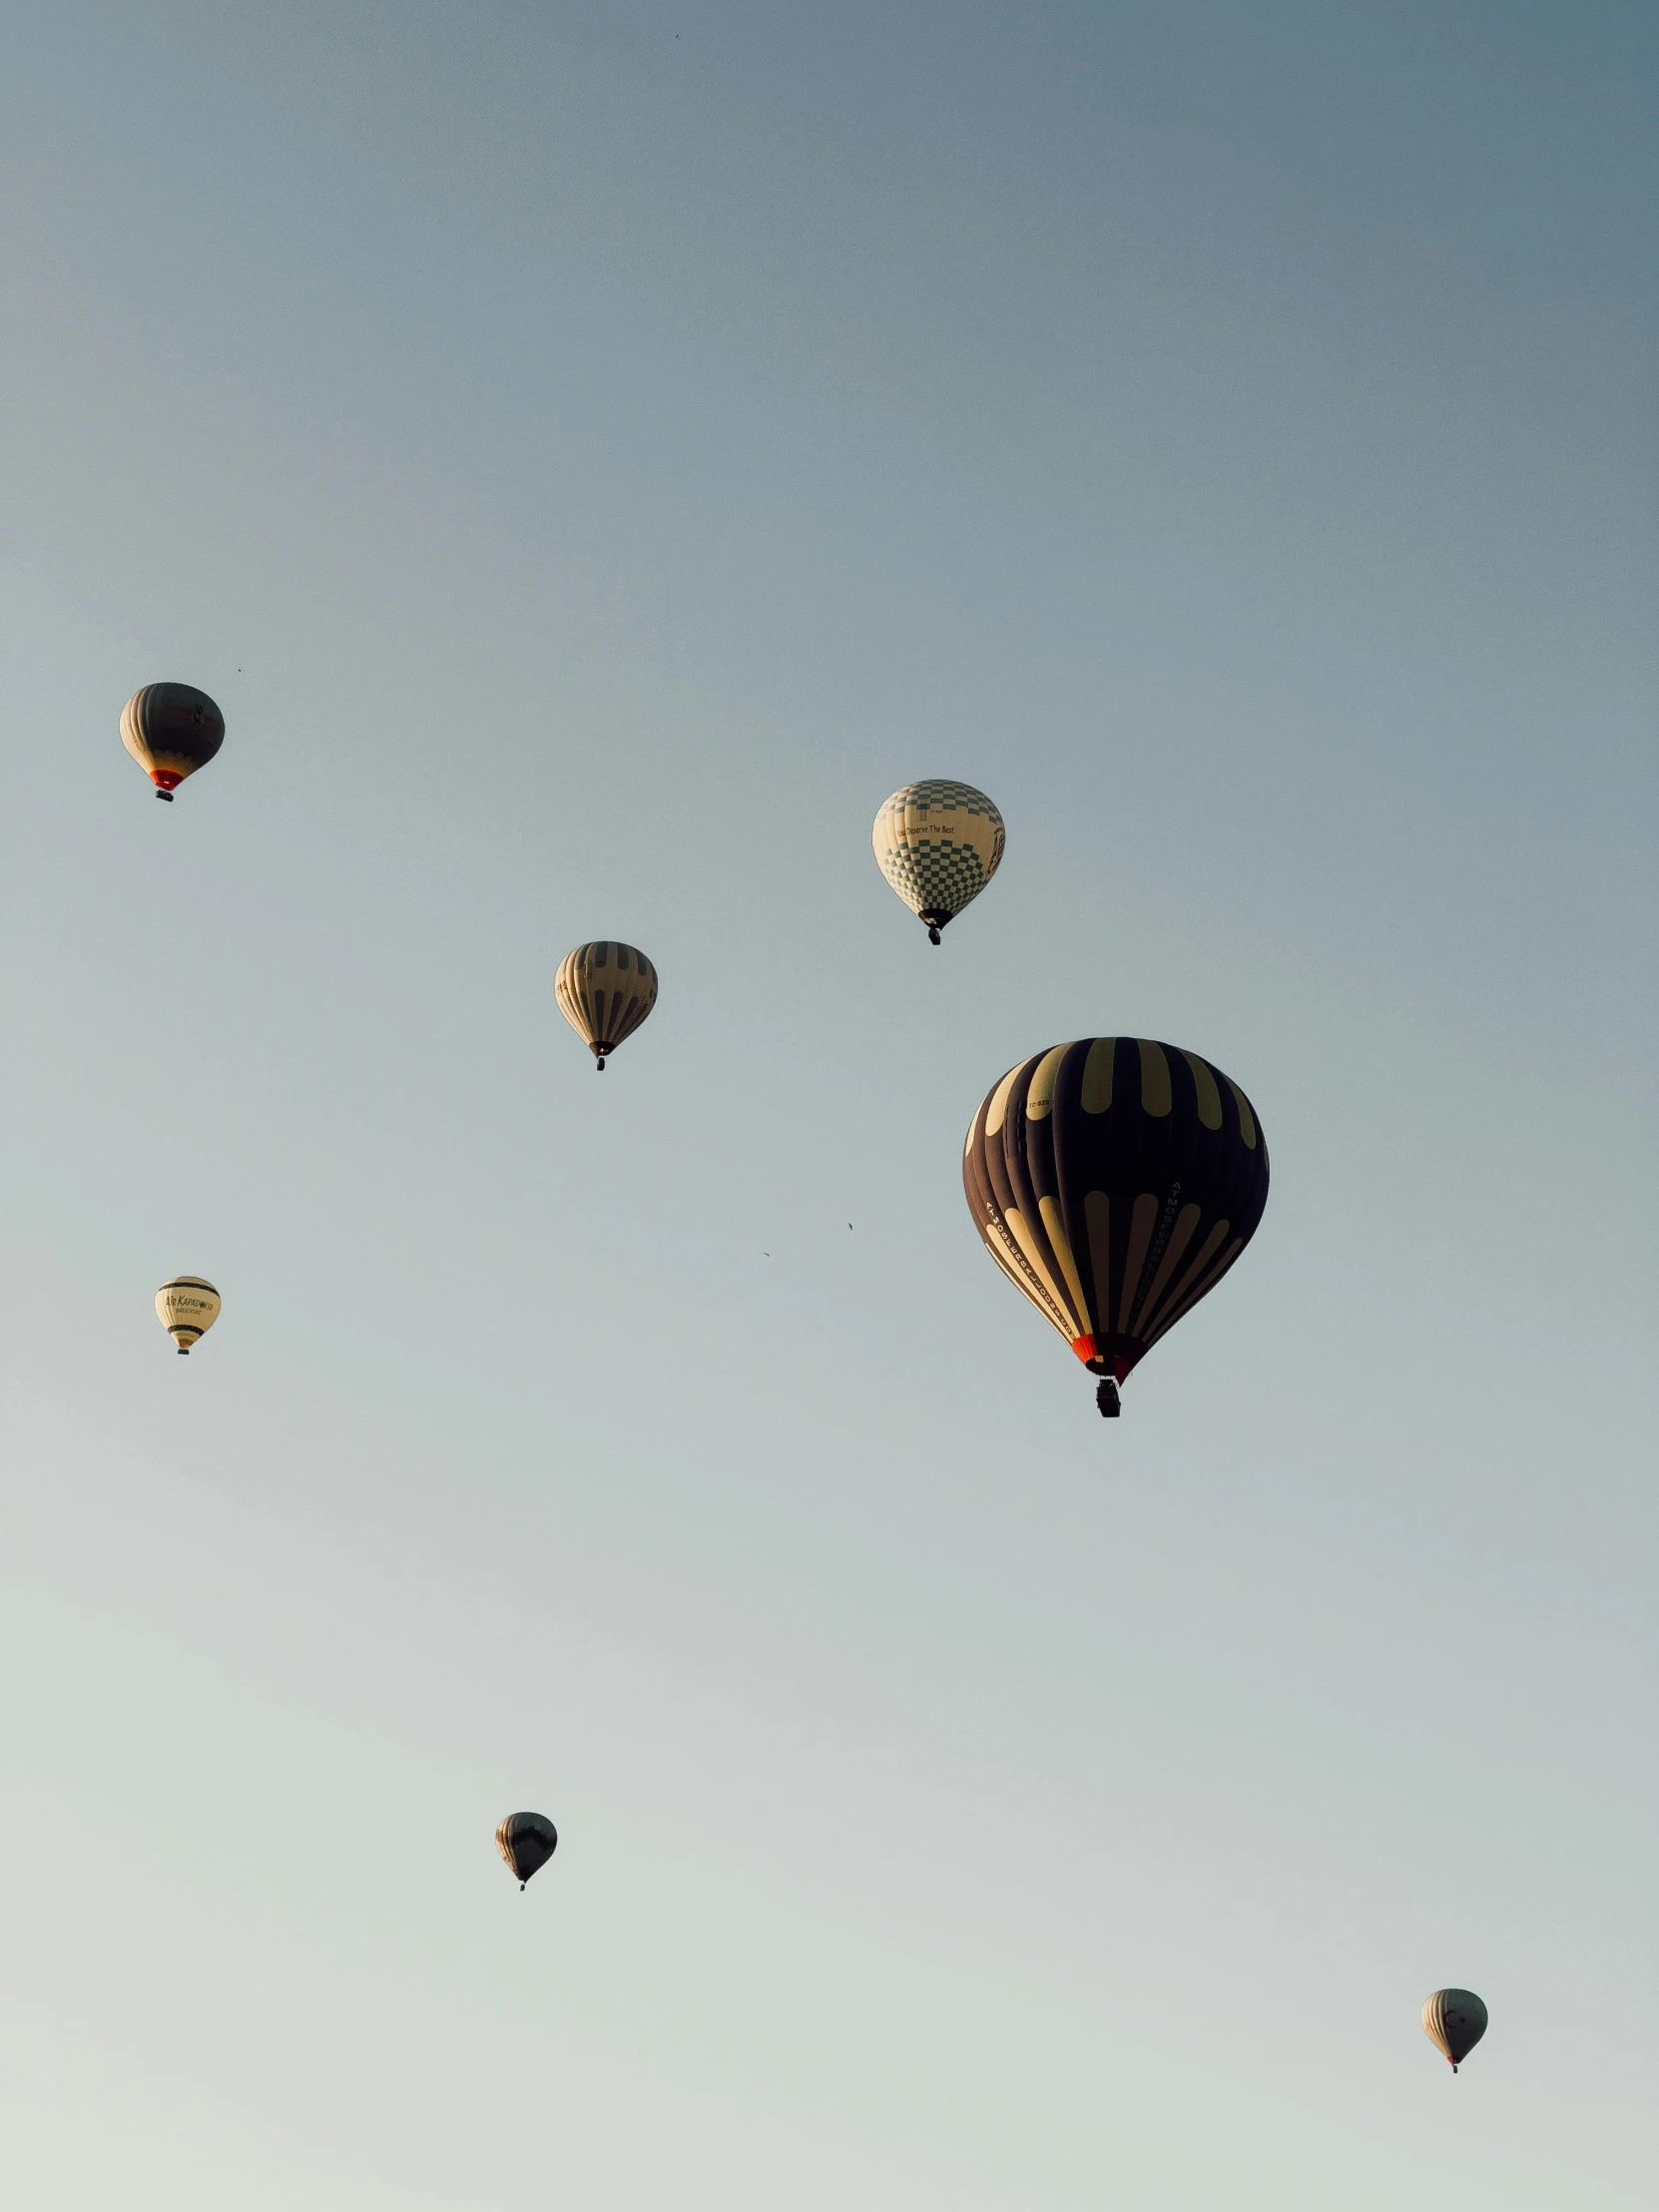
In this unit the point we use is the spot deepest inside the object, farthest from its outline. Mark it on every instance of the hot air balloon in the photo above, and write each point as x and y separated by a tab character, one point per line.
1455	2021
187	1307
938	844
1115	1181
170	729
605	991
527	1841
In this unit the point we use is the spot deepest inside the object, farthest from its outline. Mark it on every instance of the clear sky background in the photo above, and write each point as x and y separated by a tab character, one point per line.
593	454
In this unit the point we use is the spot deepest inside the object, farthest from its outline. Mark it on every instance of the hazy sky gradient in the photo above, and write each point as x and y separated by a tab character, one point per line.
593	455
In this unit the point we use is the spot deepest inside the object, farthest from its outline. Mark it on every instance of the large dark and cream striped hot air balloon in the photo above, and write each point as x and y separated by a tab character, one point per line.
605	991
170	729
1115	1181
186	1308
527	1841
1455	2021
938	844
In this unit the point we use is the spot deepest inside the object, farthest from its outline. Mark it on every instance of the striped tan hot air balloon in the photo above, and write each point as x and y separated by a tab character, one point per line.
186	1308
1455	2021
1114	1182
170	729
605	991
938	844
527	1841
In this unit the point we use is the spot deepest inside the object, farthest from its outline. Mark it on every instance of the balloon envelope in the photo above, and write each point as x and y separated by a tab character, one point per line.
938	844
1114	1180
170	729
187	1307
527	1841
1455	2021
605	991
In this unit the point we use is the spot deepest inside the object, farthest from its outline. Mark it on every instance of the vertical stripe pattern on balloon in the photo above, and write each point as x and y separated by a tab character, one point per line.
1115	1181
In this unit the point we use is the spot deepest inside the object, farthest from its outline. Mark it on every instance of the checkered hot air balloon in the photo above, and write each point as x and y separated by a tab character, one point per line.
605	991
170	729
1115	1181
938	844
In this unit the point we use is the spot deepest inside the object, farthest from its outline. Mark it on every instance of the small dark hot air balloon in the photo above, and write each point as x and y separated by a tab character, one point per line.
170	729
605	991
1455	2021
1114	1182
527	1841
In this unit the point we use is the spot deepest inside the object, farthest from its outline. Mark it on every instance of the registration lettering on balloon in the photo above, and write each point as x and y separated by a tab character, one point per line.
1166	1222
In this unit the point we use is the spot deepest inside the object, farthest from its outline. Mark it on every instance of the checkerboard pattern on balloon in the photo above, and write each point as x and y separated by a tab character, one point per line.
936	875
938	845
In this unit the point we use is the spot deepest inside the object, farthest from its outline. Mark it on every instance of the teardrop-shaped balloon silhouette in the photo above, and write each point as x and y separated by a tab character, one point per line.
527	1841
1114	1180
170	729
186	1308
1455	2021
938	844
605	991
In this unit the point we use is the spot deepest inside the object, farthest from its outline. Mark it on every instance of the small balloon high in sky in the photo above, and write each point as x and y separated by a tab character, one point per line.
526	1841
170	729
1455	2021
187	1307
605	991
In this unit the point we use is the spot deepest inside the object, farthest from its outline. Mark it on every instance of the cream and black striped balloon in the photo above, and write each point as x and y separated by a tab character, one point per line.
170	729
527	1841
938	844
1115	1181
186	1308
605	991
1455	2021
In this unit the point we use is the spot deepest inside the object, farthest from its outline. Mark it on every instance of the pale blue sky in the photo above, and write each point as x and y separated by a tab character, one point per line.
593	454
